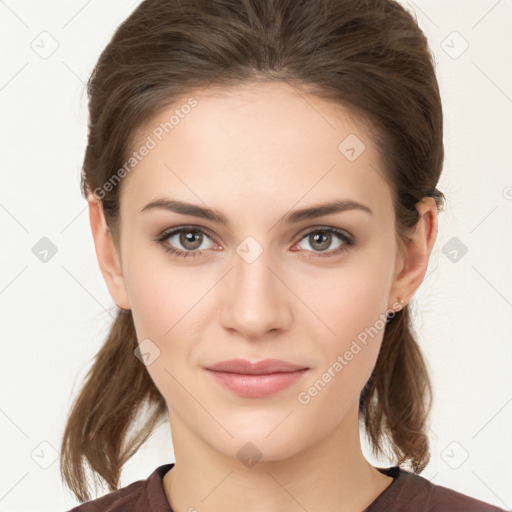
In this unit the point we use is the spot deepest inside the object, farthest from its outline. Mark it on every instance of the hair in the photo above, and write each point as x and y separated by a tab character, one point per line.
368	56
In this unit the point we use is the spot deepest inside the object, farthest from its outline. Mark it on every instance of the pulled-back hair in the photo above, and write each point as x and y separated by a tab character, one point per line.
369	56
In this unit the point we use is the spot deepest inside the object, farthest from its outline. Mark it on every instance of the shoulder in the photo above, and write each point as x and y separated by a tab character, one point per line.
140	496
410	491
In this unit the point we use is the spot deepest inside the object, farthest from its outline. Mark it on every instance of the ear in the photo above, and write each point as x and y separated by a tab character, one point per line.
412	262
107	254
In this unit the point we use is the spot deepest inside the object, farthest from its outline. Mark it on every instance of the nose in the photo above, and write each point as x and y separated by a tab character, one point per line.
255	301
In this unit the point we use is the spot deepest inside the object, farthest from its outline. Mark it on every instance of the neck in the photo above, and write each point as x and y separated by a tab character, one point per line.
330	475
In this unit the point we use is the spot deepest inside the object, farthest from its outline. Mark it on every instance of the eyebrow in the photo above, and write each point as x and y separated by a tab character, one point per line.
293	217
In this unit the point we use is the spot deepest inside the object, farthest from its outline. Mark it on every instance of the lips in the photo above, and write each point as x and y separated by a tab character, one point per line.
256	380
245	367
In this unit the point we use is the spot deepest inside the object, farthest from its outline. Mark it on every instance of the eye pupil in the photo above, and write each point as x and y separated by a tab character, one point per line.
186	238
316	238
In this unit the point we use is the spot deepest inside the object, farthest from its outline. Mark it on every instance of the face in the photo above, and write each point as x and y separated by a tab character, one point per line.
263	284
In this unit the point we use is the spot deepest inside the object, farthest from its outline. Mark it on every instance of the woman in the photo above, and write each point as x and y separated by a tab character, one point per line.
261	178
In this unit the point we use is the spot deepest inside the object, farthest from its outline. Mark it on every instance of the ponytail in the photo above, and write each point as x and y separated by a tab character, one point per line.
397	398
115	389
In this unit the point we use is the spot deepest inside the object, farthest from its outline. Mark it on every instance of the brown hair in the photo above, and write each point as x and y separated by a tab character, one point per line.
367	55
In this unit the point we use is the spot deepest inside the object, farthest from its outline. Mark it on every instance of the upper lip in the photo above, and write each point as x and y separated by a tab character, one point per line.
256	368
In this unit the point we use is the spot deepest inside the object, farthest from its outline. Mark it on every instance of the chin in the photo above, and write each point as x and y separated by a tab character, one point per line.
257	446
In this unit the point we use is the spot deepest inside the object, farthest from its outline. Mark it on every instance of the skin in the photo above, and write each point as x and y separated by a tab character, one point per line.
254	153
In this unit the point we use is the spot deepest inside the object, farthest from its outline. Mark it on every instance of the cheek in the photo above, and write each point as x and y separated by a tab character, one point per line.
348	356
161	300
162	295
349	301
350	317
167	305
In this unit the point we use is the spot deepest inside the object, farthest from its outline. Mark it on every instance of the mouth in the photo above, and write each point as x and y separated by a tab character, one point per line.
259	379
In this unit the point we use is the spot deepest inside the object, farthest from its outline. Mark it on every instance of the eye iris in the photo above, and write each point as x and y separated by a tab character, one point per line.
186	237
319	235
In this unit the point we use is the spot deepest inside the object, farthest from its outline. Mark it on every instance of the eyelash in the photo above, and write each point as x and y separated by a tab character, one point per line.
348	241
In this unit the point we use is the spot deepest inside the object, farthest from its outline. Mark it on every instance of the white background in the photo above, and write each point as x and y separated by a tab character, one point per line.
55	314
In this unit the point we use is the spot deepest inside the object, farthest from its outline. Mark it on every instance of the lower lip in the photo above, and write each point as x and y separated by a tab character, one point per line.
257	386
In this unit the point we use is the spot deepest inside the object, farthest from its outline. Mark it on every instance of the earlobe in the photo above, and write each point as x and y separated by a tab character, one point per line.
416	252
107	254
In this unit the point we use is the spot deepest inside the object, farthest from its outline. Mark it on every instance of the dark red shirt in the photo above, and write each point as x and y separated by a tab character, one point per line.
407	492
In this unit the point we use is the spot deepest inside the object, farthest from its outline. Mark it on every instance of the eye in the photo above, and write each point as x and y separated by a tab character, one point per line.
321	239
191	238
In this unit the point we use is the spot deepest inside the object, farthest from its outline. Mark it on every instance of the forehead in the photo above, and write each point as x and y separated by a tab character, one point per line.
267	143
